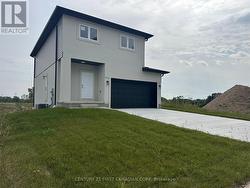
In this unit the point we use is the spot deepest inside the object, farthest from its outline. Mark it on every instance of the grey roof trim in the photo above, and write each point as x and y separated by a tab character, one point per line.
148	69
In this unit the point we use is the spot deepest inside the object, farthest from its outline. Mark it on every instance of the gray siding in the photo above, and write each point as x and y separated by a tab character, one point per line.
119	63
45	67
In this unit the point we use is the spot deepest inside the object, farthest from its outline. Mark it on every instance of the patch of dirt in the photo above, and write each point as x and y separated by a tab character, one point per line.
236	99
247	185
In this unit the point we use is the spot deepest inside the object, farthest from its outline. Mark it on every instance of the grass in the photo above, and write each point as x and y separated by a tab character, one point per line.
101	148
13	107
196	109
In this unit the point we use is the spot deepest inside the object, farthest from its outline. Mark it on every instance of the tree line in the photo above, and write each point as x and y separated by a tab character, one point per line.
16	99
179	100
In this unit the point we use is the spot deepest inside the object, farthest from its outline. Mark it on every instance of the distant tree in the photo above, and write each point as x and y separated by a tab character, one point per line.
31	93
5	99
211	97
16	99
180	100
163	99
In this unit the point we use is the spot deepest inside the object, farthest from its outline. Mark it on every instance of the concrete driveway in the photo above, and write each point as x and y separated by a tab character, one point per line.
227	127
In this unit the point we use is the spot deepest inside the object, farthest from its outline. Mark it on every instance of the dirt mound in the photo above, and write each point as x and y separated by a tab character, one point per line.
236	99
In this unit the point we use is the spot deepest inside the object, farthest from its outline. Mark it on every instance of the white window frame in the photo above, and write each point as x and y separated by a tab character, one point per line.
127	37
88	39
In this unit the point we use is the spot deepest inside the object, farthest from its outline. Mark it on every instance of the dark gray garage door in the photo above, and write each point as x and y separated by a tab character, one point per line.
133	94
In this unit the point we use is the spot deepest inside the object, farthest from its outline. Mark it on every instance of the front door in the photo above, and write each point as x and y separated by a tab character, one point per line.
87	85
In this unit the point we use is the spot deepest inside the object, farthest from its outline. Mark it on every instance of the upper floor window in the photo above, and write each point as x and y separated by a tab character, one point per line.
127	42
87	32
131	43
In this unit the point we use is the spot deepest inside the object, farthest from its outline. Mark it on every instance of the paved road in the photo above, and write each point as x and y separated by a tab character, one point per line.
232	128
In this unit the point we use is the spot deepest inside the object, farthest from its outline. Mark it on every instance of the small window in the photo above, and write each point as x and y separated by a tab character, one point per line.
87	32
127	43
93	34
131	43
84	32
123	42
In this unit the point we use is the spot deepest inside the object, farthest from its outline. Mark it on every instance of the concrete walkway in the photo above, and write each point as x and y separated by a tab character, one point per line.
227	127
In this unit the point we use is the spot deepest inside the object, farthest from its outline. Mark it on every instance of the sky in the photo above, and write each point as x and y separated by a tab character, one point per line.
205	44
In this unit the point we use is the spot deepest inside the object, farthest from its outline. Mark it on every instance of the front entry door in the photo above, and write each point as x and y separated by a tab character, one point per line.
87	85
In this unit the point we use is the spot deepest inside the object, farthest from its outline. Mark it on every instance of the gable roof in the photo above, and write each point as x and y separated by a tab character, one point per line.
59	11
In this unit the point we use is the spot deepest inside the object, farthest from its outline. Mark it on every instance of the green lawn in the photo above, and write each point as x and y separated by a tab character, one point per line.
195	109
87	147
13	107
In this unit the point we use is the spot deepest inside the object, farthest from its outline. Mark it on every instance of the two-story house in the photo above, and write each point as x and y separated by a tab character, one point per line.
81	60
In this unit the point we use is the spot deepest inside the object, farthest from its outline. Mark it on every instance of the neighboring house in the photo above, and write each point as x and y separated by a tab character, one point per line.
80	60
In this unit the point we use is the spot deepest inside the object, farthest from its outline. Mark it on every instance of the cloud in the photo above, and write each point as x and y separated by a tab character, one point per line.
8	60
243	17
185	62
240	54
218	62
201	62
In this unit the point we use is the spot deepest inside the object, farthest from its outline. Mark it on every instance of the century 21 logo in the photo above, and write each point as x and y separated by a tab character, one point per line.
13	14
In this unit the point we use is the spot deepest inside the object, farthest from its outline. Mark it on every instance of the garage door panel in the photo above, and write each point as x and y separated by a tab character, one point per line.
133	94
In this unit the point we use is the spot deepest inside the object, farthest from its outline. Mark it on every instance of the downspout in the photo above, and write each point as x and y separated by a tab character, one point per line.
56	54
34	77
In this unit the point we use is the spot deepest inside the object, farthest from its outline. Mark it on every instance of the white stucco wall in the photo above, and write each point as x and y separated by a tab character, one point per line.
45	67
119	63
